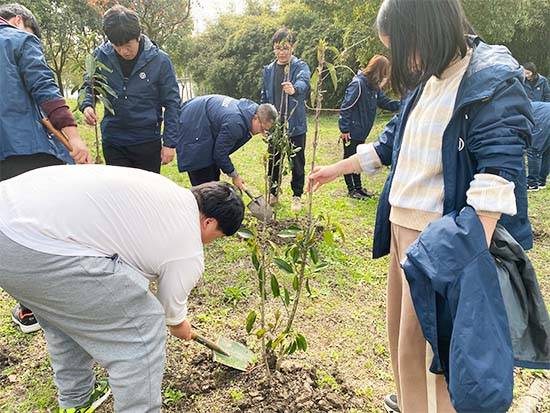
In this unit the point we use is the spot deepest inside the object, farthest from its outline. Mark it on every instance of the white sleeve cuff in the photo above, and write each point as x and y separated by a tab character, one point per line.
492	193
368	158
174	320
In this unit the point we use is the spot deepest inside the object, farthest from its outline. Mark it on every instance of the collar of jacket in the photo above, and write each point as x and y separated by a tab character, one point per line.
489	66
150	51
4	22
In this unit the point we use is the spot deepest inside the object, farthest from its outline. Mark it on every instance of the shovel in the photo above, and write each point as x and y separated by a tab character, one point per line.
227	352
258	207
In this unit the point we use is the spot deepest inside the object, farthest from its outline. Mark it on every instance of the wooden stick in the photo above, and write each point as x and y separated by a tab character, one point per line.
57	133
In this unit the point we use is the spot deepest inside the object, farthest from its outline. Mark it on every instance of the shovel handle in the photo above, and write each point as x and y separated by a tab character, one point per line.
209	343
57	133
247	192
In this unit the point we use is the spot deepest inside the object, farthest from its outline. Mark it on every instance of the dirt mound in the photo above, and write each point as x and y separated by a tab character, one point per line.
296	388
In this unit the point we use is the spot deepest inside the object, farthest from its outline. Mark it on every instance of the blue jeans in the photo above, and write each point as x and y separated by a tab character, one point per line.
538	165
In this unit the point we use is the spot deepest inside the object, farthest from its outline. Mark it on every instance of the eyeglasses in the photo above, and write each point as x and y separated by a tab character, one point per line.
286	48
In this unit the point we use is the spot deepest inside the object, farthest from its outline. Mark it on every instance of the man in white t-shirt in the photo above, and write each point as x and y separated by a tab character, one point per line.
79	248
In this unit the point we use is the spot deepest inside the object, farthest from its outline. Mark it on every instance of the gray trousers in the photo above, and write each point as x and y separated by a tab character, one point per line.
92	308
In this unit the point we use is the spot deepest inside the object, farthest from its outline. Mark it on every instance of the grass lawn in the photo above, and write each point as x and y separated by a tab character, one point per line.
344	320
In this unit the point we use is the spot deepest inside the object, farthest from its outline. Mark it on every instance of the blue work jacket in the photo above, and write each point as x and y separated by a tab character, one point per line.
358	109
210	129
489	131
140	98
26	82
299	76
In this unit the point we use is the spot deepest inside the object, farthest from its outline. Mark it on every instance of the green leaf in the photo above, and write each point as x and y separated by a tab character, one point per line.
283	265
313	82
308	288
295	283
107	104
102	67
255	261
260	333
314	254
286	297
108	89
275	286
328	236
280	338
250	320
291	348
245	233
90	65
333	76
321	266
301	342
290	232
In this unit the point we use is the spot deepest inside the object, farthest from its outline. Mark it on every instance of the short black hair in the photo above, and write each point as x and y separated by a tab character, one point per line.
425	36
531	67
9	11
221	201
283	34
121	25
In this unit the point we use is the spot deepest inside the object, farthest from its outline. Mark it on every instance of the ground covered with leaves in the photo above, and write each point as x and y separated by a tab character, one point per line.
346	366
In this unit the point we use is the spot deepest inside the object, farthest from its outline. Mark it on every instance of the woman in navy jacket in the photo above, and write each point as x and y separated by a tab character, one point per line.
358	112
469	118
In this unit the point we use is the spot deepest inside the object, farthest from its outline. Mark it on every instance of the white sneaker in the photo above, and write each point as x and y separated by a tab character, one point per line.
296	205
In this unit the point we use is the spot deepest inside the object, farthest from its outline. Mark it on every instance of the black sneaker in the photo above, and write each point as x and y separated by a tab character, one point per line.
390	404
533	188
25	319
355	194
542	185
366	192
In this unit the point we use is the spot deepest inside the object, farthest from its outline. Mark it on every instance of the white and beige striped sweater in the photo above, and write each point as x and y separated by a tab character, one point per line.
416	195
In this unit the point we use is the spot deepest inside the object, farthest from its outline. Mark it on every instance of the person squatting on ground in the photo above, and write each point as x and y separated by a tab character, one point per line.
30	93
538	153
536	85
449	147
85	270
212	127
358	112
144	81
285	84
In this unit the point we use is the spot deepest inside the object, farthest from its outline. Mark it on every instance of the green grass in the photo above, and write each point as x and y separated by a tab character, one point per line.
344	322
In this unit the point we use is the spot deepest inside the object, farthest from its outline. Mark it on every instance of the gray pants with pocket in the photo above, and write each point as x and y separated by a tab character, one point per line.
92	308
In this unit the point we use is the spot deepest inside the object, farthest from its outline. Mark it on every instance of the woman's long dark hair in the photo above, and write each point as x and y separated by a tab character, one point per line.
425	36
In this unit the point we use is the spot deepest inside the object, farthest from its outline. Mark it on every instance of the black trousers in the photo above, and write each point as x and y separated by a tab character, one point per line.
298	167
19	164
353	181
201	176
141	156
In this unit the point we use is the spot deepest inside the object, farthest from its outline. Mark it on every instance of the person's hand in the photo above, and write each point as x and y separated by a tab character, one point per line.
345	137
239	182
288	88
80	152
182	331
89	116
383	83
167	155
322	175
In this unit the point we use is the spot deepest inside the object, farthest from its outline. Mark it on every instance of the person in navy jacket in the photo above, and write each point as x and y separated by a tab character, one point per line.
29	93
538	153
144	81
358	112
536	85
285	84
211	128
458	140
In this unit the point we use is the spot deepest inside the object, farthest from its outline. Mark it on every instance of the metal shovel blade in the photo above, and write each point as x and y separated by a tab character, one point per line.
239	356
259	207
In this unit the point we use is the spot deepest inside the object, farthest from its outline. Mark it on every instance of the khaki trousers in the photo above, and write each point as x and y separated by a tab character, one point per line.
418	390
